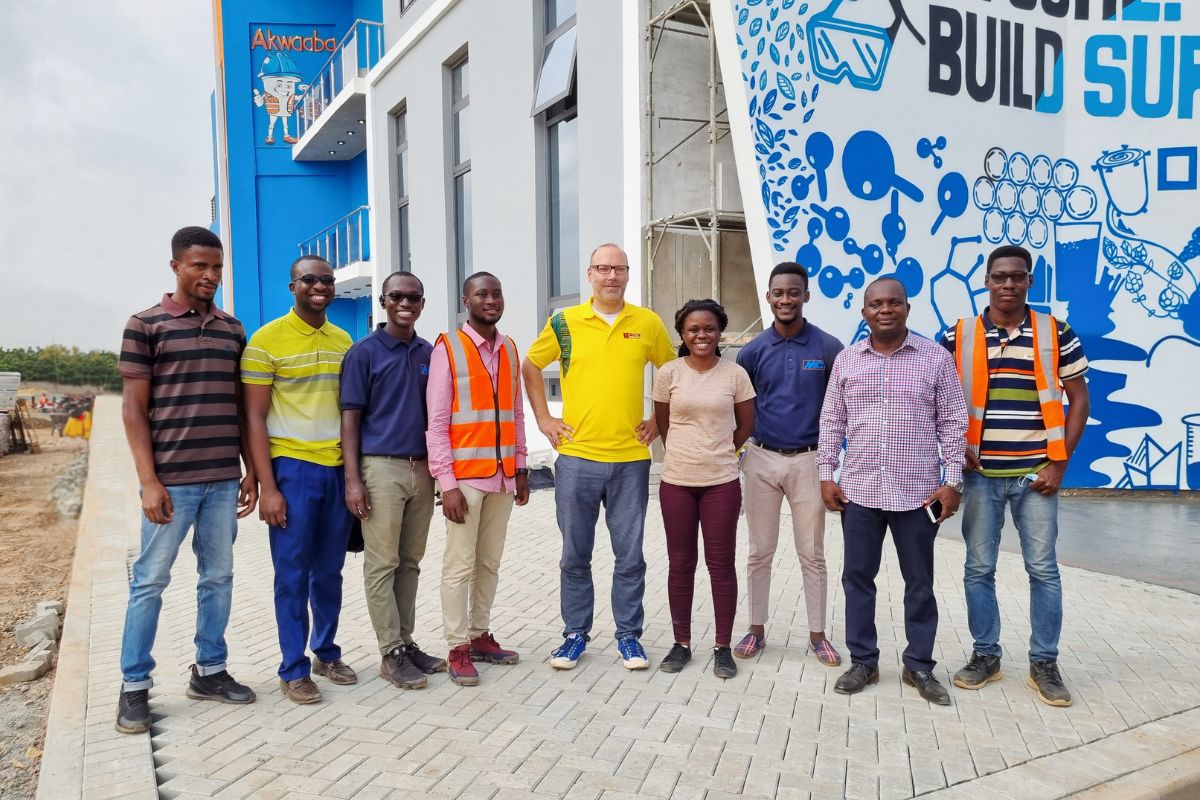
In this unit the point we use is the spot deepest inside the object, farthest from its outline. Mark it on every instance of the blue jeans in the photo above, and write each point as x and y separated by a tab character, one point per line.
210	511
308	556
1036	518
580	487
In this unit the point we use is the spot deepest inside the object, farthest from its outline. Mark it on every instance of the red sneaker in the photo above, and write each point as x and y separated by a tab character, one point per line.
461	670
485	648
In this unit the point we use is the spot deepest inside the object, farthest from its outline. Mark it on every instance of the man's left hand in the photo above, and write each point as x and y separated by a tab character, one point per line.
522	489
950	500
1049	480
247	496
647	431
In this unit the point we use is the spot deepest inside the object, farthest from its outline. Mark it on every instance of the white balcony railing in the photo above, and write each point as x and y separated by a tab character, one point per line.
359	50
344	242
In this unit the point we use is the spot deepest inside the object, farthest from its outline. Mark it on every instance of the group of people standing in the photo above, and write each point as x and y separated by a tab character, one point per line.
334	434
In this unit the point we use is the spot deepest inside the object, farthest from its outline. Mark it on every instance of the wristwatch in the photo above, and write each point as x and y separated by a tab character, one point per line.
525	471
958	487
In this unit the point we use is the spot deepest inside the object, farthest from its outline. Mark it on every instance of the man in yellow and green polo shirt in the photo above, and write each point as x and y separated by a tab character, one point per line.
291	368
602	346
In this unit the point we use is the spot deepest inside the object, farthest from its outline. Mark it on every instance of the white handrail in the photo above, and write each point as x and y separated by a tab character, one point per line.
344	242
358	51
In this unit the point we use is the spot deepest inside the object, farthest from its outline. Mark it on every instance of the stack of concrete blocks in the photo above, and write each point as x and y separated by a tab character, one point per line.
40	635
5	434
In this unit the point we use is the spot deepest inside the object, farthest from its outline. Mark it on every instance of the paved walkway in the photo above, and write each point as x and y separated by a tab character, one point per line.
1129	653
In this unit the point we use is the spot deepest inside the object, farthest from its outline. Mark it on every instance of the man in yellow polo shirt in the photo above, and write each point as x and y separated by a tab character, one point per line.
602	347
291	368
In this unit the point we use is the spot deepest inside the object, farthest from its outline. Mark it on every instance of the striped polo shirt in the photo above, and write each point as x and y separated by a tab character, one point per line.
1014	434
302	365
191	361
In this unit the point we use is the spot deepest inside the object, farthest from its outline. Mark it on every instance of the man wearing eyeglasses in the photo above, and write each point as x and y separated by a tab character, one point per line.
602	347
290	369
1015	365
388	485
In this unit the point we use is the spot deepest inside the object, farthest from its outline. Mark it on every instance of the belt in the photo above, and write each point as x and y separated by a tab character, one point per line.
795	451
409	459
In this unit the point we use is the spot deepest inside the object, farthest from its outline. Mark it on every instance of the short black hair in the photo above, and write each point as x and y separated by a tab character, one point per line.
476	275
402	273
193	236
309	257
886	278
1010	251
691	307
789	268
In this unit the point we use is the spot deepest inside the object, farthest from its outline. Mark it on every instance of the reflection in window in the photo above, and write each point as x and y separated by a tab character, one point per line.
460	172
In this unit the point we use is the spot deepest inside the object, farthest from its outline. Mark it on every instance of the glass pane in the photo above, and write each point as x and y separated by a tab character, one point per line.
401	129
558	64
459	82
404	246
402	175
564	208
558	12
462	226
462	138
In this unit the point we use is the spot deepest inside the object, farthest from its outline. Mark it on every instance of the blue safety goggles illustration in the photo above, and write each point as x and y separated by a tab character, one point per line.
851	45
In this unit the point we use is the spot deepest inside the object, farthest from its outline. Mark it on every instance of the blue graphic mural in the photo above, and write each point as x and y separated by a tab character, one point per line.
846	43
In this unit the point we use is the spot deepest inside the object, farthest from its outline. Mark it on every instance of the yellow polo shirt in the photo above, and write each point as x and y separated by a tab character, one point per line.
603	373
302	365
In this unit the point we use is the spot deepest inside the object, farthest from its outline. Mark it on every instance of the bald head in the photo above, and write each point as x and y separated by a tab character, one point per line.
886	284
605	253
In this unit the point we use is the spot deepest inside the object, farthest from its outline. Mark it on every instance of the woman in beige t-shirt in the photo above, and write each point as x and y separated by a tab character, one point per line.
704	406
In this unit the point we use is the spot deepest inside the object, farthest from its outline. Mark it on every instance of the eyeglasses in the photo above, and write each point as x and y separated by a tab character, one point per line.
397	297
310	280
1001	278
608	269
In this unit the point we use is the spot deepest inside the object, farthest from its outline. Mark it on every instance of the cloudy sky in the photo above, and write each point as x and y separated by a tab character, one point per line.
105	150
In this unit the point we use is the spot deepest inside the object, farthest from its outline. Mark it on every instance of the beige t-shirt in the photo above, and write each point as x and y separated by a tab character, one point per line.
700	440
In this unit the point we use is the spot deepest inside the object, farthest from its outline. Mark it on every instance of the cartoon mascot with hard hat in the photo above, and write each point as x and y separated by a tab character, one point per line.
281	90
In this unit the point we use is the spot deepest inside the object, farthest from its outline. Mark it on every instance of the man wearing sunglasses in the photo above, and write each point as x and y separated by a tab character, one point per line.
290	369
1016	364
388	485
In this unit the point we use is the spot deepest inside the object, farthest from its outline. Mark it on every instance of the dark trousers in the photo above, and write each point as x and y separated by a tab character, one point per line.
863	530
308	556
714	511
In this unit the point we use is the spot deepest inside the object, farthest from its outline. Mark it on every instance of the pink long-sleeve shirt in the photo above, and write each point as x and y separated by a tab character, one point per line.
439	396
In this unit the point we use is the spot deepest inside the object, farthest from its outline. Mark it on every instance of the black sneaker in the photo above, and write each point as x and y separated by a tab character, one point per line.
219	686
398	669
723	666
856	678
979	672
423	661
133	711
1048	683
926	685
679	656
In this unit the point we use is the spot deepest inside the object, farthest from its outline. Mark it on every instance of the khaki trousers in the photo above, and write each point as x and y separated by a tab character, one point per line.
471	564
394	536
769	479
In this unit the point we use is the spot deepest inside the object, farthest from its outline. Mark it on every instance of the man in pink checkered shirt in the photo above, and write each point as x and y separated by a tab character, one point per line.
896	401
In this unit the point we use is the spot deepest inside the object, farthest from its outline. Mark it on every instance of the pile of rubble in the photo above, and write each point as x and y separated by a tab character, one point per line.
40	635
67	493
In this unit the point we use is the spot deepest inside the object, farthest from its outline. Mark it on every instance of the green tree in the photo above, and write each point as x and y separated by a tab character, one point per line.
66	365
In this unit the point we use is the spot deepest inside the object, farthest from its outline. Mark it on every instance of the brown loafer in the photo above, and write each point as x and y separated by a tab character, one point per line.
300	690
338	672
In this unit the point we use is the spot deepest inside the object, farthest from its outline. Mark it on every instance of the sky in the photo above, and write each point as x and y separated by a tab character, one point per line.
105	151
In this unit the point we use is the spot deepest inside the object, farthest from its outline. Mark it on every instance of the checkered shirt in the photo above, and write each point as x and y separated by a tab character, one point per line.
902	417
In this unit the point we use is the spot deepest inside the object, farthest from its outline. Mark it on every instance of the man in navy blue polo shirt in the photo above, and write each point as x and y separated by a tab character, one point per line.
388	485
789	365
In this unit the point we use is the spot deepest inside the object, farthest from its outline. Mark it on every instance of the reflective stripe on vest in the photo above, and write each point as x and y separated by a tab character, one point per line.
483	433
970	341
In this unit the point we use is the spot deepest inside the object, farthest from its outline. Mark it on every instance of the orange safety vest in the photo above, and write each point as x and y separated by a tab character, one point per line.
972	339
483	427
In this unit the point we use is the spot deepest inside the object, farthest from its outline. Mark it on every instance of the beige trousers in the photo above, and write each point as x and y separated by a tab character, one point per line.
471	564
769	479
394	537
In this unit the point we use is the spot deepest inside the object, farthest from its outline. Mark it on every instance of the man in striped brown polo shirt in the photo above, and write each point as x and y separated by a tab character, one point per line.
181	404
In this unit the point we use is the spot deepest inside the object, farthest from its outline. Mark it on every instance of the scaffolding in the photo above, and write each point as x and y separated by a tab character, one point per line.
686	18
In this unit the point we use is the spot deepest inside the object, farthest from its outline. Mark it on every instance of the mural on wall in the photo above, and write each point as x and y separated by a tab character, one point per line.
280	56
910	138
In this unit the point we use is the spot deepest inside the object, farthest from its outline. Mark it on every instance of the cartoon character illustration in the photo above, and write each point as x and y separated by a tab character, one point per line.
280	93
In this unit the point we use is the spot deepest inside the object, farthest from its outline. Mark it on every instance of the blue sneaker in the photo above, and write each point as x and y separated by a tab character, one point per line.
567	656
632	654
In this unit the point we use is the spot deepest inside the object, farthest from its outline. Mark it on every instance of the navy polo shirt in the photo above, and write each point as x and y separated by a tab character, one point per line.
385	378
789	375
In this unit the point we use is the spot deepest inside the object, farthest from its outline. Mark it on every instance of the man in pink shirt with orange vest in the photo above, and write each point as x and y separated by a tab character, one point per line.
476	441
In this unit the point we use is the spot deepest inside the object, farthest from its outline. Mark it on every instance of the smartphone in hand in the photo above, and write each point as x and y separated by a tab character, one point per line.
934	511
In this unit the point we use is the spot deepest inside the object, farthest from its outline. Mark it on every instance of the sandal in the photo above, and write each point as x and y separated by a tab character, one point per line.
750	646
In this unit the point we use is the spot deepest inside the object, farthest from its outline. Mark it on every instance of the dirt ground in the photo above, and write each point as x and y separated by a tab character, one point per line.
36	549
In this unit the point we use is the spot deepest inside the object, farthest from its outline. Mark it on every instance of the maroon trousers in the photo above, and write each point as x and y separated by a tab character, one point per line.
711	511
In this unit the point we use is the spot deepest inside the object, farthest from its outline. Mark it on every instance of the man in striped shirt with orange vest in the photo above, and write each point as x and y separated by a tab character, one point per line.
476	443
1015	365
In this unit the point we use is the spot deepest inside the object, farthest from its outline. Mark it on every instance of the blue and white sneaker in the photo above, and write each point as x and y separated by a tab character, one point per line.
632	654
567	656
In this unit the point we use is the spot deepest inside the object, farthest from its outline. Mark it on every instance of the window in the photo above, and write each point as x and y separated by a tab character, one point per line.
558	12
557	74
405	5
460	171
555	103
404	247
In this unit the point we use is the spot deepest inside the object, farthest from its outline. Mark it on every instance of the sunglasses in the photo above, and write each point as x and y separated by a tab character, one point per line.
397	297
310	280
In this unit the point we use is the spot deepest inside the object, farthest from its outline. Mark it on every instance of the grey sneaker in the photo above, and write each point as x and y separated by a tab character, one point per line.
979	672
133	711
1048	683
399	670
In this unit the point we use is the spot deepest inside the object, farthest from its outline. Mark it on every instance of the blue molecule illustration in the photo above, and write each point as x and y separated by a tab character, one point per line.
953	197
871	256
893	228
869	168
927	148
818	150
837	221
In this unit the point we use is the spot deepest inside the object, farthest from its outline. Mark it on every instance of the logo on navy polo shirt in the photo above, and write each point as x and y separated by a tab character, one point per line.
424	369
814	363
630	335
